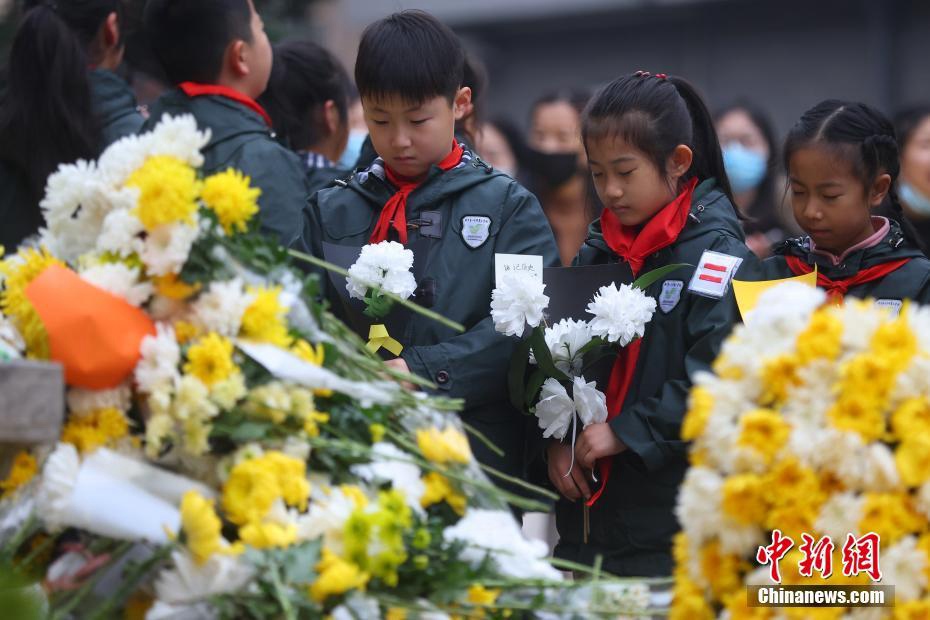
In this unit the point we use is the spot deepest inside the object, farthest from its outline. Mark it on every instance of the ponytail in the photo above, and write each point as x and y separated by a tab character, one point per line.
656	113
46	116
708	157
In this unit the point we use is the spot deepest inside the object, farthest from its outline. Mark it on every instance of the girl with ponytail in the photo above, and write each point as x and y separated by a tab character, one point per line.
657	167
63	101
842	163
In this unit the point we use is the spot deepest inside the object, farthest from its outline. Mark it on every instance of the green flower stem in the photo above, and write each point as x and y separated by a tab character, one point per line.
317	262
71	603
482	438
520	483
131	581
29	527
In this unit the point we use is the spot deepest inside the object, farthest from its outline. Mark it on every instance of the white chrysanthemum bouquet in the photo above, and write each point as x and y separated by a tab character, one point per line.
810	462
556	390
231	449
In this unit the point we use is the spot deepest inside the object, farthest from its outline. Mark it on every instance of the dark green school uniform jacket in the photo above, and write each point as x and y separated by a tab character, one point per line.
633	522
911	281
240	139
459	274
115	106
321	171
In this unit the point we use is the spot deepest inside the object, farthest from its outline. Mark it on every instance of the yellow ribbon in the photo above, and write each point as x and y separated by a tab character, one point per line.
379	338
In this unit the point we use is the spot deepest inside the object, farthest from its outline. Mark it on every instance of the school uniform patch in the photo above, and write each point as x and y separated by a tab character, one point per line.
670	295
713	274
475	230
892	305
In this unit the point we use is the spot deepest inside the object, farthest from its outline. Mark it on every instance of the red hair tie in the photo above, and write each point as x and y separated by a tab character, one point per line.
661	76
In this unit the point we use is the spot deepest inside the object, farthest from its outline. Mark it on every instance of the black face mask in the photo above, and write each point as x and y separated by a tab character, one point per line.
552	168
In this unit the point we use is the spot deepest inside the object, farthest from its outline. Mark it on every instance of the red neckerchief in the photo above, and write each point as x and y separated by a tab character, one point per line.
635	247
193	89
837	289
394	213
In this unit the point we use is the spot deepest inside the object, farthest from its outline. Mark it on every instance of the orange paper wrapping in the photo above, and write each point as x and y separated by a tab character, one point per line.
95	335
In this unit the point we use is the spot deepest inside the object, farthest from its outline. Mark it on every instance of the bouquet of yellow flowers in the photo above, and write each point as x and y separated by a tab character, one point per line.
810	463
230	448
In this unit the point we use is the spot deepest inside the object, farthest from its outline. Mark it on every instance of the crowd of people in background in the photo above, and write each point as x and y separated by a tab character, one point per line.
637	172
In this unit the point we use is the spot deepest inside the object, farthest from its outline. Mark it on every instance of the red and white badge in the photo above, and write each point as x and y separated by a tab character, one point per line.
713	274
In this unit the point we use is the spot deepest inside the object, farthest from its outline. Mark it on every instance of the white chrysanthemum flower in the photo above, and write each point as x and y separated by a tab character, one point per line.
326	517
590	402
555	409
188	582
75	204
913	380
59	477
517	301
158	368
699	504
495	534
840	515
390	464
386	265
356	606
192	400
739	539
790	302
85	401
903	566
10	335
120	232
220	309
121	280
564	340
620	314
178	136
881	472
167	247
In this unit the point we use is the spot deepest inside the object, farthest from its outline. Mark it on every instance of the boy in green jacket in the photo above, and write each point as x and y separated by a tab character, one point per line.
425	190
218	54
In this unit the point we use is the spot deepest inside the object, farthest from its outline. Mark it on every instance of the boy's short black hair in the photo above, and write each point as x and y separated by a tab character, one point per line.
190	36
410	54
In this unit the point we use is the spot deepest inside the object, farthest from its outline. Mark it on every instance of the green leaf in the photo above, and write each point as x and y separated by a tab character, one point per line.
544	355
595	342
517	373
299	563
533	386
647	279
250	431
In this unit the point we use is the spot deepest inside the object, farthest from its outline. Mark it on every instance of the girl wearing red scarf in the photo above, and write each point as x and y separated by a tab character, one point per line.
657	168
842	162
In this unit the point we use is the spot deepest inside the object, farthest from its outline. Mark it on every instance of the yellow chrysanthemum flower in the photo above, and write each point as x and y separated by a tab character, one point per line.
172	287
701	403
911	418
19	271
356	494
722	570
312	423
738	609
250	491
912	610
479	595
292	478
439	489
23	470
821	339
688	602
267	535
337	576
448	446
265	319
744	498
725	370
396	613
95	429
764	431
891	516
185	331
202	528
779	375
168	191
896	340
377	432
230	195
912	457
210	359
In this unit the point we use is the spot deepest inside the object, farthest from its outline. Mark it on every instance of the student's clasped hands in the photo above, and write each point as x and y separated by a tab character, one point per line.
594	442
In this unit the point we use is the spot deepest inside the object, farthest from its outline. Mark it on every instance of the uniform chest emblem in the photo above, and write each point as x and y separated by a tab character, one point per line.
475	230
671	295
713	274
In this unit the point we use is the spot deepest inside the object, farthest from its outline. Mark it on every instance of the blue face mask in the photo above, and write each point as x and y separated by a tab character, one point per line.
745	168
353	149
915	200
